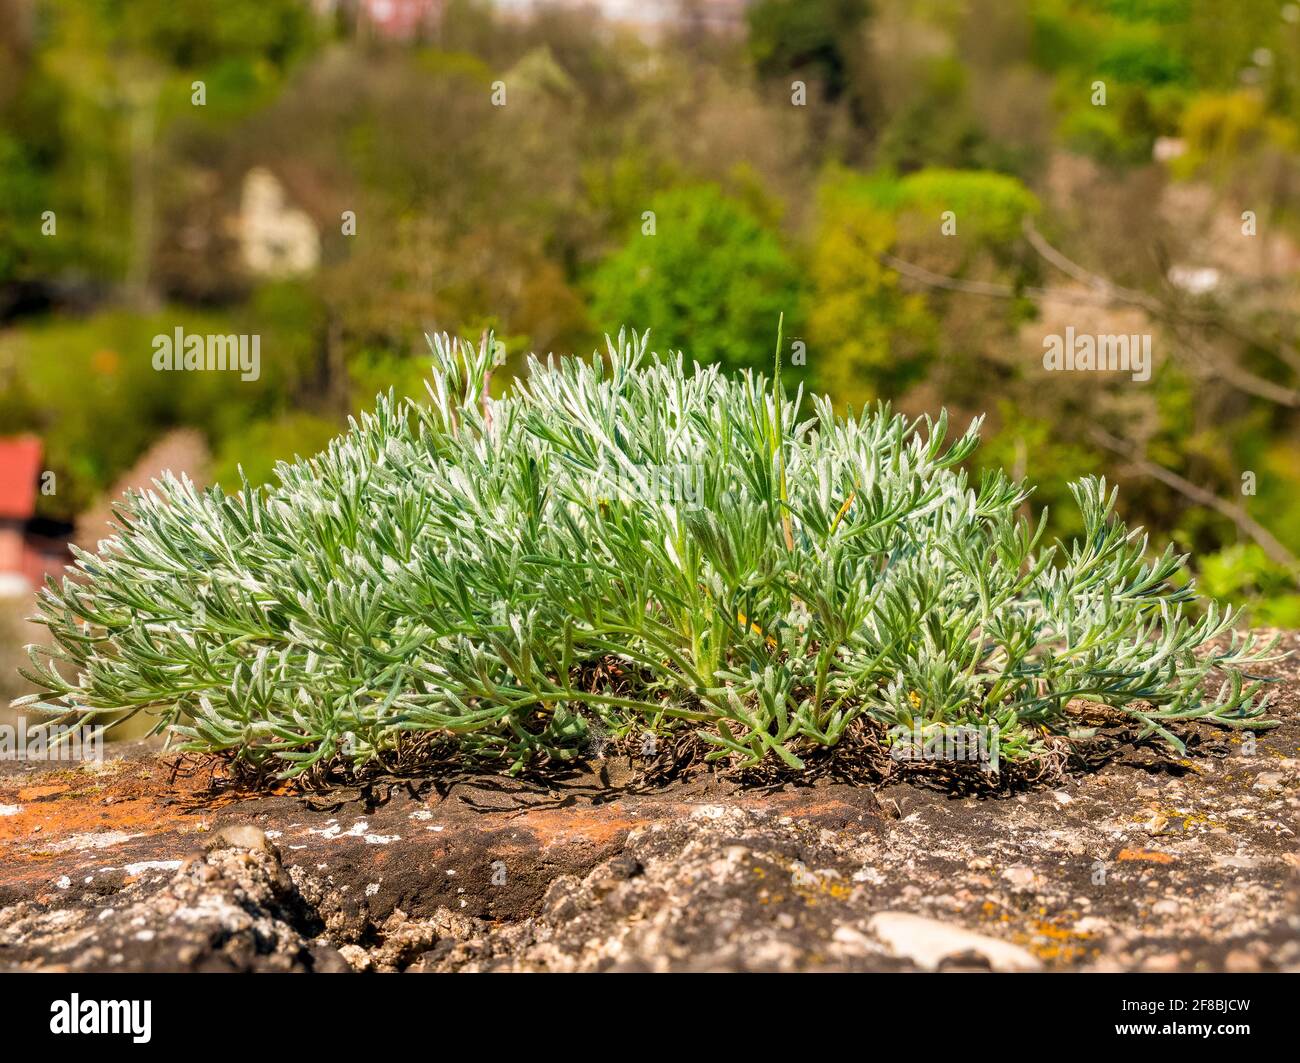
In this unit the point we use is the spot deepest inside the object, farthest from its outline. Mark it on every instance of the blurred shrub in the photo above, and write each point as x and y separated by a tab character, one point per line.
990	207
24	252
936	127
869	337
1242	573
1141	56
817	38
1029	447
1222	129
202	32
374	371
261	444
711	280
89	388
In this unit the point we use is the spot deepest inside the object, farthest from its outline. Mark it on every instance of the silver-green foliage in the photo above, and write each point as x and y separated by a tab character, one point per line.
464	568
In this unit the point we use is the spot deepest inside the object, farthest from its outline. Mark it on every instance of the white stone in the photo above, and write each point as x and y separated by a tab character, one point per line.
928	942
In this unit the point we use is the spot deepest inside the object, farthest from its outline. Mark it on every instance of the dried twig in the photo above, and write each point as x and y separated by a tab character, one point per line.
1275	550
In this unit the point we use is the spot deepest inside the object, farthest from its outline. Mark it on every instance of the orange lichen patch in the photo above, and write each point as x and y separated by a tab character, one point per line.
1148	855
839	890
1055	944
37	828
599	825
35	793
1062	954
1051	930
811	886
806	807
127	799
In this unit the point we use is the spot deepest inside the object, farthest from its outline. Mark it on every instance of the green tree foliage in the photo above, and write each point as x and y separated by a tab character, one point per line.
94	104
989	207
868	336
252	454
24	252
937	128
94	429
203	33
711	278
818	38
1242	572
1223	129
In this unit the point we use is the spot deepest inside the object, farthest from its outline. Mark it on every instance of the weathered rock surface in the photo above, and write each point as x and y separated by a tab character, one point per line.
1147	863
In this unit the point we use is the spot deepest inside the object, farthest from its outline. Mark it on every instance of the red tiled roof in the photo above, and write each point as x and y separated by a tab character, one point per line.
20	468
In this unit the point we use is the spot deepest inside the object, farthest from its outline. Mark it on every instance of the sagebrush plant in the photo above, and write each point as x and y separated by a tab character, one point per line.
618	546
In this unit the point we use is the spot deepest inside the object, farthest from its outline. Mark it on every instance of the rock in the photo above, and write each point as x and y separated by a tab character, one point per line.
230	910
131	865
239	836
325	959
1019	876
357	958
1236	860
853	941
928	943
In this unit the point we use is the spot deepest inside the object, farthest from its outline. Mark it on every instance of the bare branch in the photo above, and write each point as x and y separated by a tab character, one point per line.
988	288
1111	292
1272	547
1101	292
1231	372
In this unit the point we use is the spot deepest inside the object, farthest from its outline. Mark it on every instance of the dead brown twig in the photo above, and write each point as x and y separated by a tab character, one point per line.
1268	542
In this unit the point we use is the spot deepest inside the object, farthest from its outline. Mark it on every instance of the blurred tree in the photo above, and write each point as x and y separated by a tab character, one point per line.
89	388
817	38
255	452
1242	573
710	280
868	338
123	72
937	127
